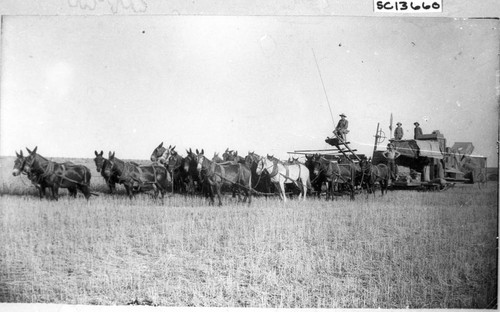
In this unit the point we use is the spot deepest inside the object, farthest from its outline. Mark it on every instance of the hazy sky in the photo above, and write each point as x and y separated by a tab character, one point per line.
71	85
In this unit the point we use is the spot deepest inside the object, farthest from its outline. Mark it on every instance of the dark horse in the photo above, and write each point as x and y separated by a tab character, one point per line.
138	178
175	165
161	153
373	174
317	180
100	163
194	184
54	175
336	176
230	173
232	156
19	169
260	183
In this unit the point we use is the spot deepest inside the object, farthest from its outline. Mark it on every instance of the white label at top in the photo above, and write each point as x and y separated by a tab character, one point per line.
408	6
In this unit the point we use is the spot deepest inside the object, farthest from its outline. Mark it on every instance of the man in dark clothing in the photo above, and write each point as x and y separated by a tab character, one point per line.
417	131
341	129
398	132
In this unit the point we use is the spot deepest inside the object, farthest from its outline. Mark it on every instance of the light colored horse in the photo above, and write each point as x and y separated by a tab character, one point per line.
281	173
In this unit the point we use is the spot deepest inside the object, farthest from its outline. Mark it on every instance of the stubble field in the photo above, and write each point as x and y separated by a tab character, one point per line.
407	249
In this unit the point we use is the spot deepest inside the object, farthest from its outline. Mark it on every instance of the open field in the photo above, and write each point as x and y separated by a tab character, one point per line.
406	249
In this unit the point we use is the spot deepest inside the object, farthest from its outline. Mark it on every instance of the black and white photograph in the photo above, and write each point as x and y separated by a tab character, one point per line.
303	154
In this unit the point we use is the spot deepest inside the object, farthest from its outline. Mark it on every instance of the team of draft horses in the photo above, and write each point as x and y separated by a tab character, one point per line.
197	174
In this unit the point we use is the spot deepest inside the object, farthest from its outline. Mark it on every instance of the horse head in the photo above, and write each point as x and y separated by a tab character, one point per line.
161	153
30	160
200	158
18	164
365	165
109	165
262	165
99	160
217	158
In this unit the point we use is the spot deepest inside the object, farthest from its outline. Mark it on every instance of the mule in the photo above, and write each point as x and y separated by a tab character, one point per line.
232	156
175	165
233	174
317	180
217	158
100	163
261	184
138	178
160	153
375	173
281	174
194	184
19	169
56	175
338	177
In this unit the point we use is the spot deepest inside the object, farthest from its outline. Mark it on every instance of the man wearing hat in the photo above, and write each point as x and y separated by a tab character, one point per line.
398	132
391	154
341	129
417	131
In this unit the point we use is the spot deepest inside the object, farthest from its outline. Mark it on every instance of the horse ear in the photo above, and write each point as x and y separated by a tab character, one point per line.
34	151
197	152
102	153
202	151
95	152
236	153
161	144
17	155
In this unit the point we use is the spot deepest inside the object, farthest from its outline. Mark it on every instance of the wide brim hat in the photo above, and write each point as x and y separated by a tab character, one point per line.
399	124
416	124
342	115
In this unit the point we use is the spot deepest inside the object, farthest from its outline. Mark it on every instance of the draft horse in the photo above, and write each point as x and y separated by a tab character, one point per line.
375	173
55	175
281	173
261	183
175	165
100	164
336	176
233	174
138	178
19	169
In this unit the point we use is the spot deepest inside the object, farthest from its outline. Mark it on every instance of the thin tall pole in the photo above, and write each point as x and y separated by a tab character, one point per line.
323	84
376	140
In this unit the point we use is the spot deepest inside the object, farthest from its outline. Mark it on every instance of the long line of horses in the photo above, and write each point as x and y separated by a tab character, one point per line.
195	173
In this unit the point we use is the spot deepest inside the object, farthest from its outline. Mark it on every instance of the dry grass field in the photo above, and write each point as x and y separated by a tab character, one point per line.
407	249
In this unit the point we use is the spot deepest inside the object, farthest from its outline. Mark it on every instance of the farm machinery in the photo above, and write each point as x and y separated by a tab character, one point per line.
428	162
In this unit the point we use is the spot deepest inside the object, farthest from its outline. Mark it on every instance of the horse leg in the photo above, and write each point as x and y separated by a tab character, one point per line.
304	190
248	193
112	187
282	189
41	191
129	190
86	191
55	192
218	187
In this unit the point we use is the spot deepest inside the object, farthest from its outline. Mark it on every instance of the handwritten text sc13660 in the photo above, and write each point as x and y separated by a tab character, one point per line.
408	6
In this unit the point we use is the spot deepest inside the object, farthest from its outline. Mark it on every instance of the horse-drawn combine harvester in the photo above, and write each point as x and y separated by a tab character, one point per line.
426	163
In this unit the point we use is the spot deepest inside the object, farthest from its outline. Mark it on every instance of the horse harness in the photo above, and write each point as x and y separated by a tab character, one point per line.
286	176
50	170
